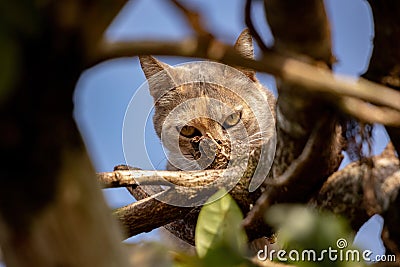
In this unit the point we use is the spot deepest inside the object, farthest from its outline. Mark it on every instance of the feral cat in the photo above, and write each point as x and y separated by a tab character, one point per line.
201	125
202	108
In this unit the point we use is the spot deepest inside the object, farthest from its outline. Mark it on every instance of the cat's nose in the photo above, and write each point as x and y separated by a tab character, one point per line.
208	147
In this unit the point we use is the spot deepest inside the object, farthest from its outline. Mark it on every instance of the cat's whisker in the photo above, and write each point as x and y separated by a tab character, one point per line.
257	134
256	140
159	163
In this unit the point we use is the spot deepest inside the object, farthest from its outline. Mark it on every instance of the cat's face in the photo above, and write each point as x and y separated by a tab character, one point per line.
199	121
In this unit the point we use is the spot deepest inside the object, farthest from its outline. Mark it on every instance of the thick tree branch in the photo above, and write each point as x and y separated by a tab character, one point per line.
192	185
341	194
384	67
343	191
309	143
148	214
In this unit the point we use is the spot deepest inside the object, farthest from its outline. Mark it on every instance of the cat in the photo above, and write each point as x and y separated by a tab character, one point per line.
167	97
201	127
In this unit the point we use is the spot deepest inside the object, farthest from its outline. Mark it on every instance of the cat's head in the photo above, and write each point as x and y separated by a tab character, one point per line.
197	119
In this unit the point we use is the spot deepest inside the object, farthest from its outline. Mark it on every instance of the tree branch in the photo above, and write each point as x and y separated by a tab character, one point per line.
166	178
148	214
384	67
312	79
250	25
194	19
183	185
343	191
339	194
304	123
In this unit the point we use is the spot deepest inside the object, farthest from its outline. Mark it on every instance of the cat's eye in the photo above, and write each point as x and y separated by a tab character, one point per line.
189	131
232	119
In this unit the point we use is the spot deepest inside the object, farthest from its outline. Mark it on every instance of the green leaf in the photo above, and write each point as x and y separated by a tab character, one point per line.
219	225
301	228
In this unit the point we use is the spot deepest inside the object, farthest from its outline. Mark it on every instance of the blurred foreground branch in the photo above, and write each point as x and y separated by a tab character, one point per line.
339	91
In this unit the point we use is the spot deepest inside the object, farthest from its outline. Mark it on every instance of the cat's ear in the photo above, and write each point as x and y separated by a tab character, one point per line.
244	46
158	74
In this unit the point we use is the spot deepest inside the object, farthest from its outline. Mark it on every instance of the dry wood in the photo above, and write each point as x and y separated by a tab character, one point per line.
124	178
384	67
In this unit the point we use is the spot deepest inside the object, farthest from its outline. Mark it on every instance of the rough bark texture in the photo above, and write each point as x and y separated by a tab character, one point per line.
343	192
299	113
384	66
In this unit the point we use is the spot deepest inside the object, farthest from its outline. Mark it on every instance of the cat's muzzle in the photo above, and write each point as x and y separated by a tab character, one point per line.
211	153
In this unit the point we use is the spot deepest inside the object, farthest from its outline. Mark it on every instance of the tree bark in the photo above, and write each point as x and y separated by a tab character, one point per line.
384	68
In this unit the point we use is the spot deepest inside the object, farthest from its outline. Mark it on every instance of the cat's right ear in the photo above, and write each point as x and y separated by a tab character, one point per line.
244	46
158	74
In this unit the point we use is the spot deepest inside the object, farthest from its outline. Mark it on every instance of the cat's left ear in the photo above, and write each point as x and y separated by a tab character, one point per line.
158	75
244	46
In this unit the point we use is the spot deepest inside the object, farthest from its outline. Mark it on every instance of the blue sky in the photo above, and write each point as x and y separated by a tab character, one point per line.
104	91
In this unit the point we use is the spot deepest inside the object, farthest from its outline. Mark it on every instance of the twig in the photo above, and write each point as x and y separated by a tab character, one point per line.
297	165
194	19
368	113
290	175
252	29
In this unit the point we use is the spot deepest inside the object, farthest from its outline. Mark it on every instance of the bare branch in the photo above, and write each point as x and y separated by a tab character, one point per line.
292	172
312	79
368	113
97	17
194	20
339	194
342	192
165	178
300	30
148	214
183	185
